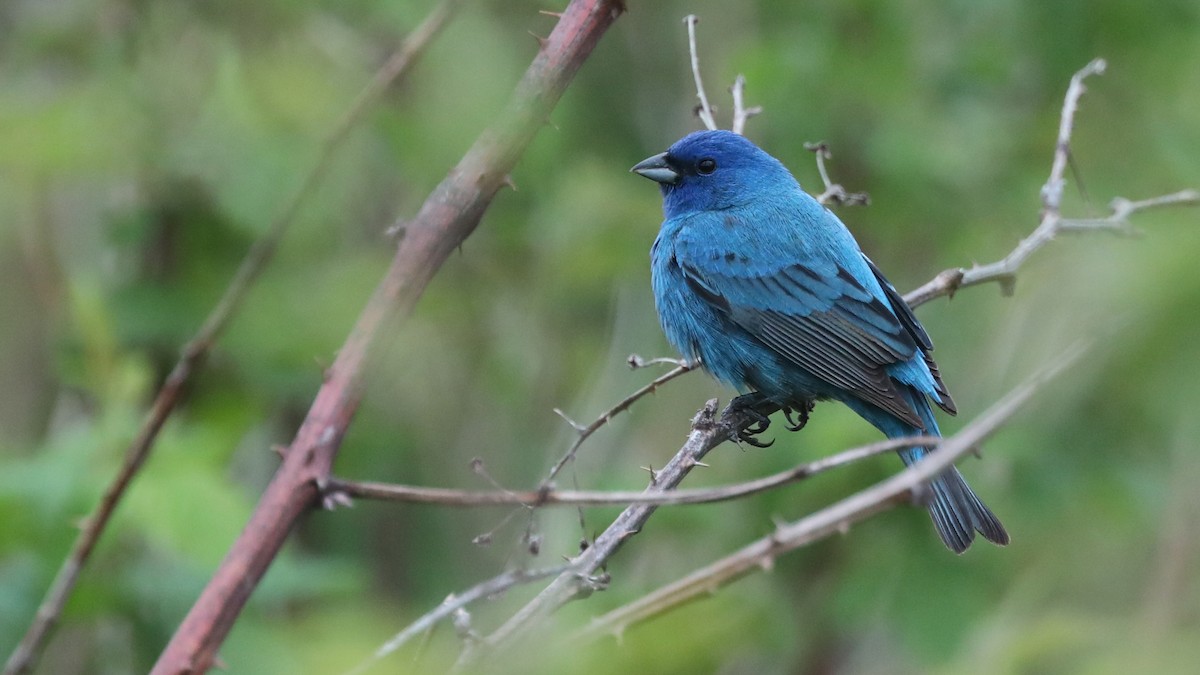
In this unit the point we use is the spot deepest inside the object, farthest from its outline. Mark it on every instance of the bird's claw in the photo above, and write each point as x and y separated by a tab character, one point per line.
802	413
747	435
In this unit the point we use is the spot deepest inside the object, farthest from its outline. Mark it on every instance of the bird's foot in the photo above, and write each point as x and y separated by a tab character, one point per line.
754	410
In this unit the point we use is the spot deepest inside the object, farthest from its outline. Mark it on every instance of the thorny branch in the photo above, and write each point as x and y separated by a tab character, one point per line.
448	216
455	603
901	488
194	353
1004	271
708	431
585	432
549	497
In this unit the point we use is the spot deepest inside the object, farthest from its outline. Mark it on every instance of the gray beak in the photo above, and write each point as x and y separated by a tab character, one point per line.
657	169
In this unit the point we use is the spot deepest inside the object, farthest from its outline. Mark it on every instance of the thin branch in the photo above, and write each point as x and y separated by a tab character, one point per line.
708	431
454	603
1118	221
839	517
704	110
584	432
194	353
1052	191
1004	271
413	494
833	193
741	114
448	216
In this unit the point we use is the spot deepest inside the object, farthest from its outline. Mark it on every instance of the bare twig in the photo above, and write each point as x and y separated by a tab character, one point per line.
741	114
838	517
833	193
1052	192
704	110
24	658
454	603
584	432
1004	271
1118	221
445	220
547	497
708	431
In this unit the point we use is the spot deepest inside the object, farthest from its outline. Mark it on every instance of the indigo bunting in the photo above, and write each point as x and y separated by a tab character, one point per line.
771	292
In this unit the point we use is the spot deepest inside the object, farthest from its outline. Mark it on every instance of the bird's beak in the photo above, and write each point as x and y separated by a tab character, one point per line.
657	169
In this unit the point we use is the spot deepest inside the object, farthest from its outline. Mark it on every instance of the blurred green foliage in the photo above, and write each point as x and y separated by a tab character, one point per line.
144	145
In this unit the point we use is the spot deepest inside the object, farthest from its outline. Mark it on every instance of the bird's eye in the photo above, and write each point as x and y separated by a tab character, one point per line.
706	166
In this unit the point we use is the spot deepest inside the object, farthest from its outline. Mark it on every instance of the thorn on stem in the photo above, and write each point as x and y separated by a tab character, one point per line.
653	474
462	625
396	230
332	499
534	544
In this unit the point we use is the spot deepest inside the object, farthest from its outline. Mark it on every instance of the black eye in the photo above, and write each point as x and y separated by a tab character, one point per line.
706	166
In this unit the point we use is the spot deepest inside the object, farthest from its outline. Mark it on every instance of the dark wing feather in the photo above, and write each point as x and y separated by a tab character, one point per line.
917	331
829	325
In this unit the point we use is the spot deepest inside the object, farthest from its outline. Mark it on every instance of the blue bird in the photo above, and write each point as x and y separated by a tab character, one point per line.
771	292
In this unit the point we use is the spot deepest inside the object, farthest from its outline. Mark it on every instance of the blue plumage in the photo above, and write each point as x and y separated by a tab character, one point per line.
771	291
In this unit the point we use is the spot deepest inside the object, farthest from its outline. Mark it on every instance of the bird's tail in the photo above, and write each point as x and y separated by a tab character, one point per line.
956	511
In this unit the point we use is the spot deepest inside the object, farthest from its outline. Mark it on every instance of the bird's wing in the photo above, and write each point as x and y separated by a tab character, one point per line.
817	314
917	331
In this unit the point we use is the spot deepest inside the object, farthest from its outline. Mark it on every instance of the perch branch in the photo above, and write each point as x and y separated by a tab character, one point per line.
708	431
448	216
548	497
838	517
194	353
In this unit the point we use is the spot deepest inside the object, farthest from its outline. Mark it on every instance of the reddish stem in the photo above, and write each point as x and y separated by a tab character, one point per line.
448	216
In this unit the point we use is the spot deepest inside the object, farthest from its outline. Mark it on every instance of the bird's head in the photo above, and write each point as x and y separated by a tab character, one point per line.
714	170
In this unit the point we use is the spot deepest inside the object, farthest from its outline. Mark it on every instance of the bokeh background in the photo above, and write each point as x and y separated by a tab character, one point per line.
145	145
